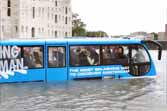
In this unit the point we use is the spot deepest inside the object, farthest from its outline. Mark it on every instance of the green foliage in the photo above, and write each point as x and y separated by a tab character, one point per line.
155	35
78	28
96	34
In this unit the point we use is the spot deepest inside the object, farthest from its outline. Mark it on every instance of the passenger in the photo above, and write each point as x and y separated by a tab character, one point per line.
107	55
88	56
28	58
119	53
120	58
139	56
106	52
83	61
37	60
93	57
74	55
58	56
38	57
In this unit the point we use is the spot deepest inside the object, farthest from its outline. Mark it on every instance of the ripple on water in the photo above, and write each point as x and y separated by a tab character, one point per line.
89	95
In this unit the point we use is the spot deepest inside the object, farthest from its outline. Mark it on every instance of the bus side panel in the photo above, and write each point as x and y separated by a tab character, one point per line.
20	75
57	74
35	75
114	71
84	72
31	75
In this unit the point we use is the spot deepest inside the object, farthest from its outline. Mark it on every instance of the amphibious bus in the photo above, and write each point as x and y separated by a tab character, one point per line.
71	59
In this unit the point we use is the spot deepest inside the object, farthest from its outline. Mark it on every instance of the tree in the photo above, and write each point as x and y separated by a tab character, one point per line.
78	27
96	34
155	35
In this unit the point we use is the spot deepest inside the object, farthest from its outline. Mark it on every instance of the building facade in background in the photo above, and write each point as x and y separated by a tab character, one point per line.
142	35
161	36
35	19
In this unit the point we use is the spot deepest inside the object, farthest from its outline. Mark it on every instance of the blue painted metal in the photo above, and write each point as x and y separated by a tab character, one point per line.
31	74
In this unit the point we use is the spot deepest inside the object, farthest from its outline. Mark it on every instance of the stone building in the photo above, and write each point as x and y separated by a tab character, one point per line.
42	19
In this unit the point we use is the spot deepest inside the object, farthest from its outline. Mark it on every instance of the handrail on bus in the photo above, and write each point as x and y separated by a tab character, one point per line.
157	44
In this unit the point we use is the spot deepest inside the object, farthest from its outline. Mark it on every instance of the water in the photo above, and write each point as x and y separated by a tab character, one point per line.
89	95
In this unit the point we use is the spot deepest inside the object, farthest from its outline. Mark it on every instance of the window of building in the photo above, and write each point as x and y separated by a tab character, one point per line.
9	3
55	18
56	57
33	57
55	34
33	12
16	29
66	10
66	34
66	20
33	32
56	3
9	12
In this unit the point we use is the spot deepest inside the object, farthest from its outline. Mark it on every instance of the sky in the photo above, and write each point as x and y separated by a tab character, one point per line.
122	17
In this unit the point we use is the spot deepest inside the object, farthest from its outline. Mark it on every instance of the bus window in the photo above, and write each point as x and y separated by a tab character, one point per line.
84	55
56	56
33	57
115	54
139	55
140	60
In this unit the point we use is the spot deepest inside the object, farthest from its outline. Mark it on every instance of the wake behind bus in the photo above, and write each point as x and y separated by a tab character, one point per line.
71	59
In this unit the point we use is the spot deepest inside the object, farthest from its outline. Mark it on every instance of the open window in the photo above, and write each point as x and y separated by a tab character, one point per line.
33	56
84	55
140	61
56	57
154	45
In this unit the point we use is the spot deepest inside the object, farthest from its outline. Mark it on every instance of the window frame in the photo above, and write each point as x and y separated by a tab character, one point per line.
114	45
84	45
43	63
142	63
100	46
65	61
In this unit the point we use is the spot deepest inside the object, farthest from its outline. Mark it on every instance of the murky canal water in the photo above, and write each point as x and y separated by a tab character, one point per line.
89	95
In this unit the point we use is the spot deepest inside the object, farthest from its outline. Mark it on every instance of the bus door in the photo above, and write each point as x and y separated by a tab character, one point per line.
56	61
